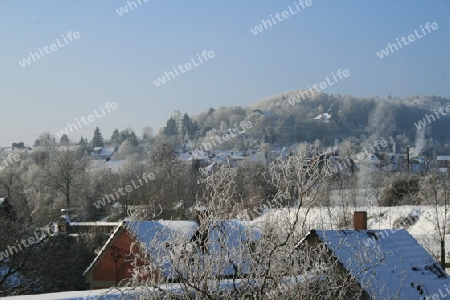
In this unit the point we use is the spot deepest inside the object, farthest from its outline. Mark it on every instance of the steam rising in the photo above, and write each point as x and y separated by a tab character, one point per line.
420	142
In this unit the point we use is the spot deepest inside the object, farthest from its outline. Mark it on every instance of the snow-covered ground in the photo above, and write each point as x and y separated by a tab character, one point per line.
74	295
103	294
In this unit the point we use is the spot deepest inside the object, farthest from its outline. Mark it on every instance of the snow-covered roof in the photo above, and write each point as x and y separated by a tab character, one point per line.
2	200
65	218
72	148
103	151
186	228
150	232
386	262
323	117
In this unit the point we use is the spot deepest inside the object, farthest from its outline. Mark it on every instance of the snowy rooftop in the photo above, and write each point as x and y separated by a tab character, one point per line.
323	117
386	262
150	232
103	151
186	228
73	148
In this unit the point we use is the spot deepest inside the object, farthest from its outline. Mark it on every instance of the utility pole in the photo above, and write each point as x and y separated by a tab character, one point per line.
407	157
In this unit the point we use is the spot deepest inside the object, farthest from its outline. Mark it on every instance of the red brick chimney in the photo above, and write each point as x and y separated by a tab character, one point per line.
360	220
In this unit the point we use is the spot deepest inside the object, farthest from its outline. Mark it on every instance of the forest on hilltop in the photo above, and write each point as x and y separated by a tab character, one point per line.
276	121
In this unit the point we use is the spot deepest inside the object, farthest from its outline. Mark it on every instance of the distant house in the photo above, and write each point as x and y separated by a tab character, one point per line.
443	163
70	148
103	152
325	117
151	244
418	165
19	145
386	264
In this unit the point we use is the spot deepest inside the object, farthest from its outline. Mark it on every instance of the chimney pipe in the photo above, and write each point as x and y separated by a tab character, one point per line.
360	220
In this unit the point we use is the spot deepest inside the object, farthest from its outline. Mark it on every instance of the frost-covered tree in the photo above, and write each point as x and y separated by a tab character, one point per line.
65	173
171	128
435	190
45	139
115	137
64	141
97	140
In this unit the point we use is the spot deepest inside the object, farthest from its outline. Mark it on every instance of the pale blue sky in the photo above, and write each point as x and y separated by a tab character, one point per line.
118	57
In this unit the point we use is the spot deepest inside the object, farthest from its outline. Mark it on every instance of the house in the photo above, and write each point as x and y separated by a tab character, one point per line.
443	163
418	165
113	262
69	148
156	249
387	264
325	117
103	152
